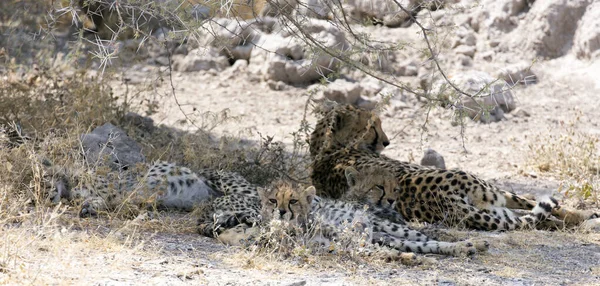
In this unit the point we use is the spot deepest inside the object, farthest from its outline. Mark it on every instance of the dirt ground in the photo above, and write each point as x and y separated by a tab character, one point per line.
498	152
564	100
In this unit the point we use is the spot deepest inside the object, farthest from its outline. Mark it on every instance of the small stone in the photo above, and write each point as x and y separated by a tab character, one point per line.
521	113
465	50
433	159
298	283
276	85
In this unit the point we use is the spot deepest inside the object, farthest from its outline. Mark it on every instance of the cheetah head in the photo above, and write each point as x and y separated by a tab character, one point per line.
55	181
348	126
284	201
374	185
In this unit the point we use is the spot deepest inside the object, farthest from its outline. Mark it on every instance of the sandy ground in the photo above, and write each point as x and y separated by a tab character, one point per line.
566	92
498	152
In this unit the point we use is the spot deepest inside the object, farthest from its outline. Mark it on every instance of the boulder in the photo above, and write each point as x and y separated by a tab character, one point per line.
108	144
499	15
343	91
548	29
283	57
519	73
385	11
234	38
200	60
318	9
490	97
587	38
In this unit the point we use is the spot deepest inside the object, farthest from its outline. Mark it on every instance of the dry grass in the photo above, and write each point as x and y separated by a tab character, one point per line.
573	157
44	243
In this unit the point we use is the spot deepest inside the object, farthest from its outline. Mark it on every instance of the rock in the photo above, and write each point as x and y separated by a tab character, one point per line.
464	60
548	28
385	11
276	85
233	38
145	124
492	97
591	225
408	68
465	50
111	143
464	36
318	9
433	159
499	15
282	57
366	104
518	73
425	76
371	86
200	60
379	58
587	38
239	68
343	91
277	8
297	283
521	113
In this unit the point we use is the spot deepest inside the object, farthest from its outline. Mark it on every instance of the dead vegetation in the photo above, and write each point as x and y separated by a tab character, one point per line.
51	104
572	157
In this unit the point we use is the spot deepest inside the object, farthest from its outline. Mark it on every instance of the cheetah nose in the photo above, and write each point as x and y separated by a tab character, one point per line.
391	201
386	143
282	212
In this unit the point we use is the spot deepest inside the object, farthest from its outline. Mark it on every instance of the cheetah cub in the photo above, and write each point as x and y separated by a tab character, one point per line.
304	208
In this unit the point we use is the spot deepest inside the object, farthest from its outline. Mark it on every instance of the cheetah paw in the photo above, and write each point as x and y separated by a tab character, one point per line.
481	245
591	225
87	210
466	248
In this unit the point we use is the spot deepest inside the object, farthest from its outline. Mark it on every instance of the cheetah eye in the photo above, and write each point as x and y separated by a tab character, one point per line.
293	201
379	187
273	201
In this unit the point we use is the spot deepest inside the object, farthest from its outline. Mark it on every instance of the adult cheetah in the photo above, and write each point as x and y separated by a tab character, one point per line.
348	136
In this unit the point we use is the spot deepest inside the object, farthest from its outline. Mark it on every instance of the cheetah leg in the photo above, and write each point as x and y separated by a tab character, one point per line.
483	220
91	206
400	231
405	233
571	217
514	201
238	235
432	246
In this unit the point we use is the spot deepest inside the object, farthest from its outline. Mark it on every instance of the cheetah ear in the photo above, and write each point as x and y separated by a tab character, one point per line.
310	193
351	174
325	107
262	192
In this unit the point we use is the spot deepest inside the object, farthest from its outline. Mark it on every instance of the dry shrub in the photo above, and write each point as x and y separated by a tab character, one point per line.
571	156
306	247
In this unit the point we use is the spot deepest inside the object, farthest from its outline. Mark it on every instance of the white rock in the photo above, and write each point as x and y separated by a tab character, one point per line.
548	29
408	67
343	91
465	50
386	11
281	57
518	73
491	97
200	60
587	38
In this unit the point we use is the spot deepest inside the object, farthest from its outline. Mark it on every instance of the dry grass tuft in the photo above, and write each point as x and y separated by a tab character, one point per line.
573	157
